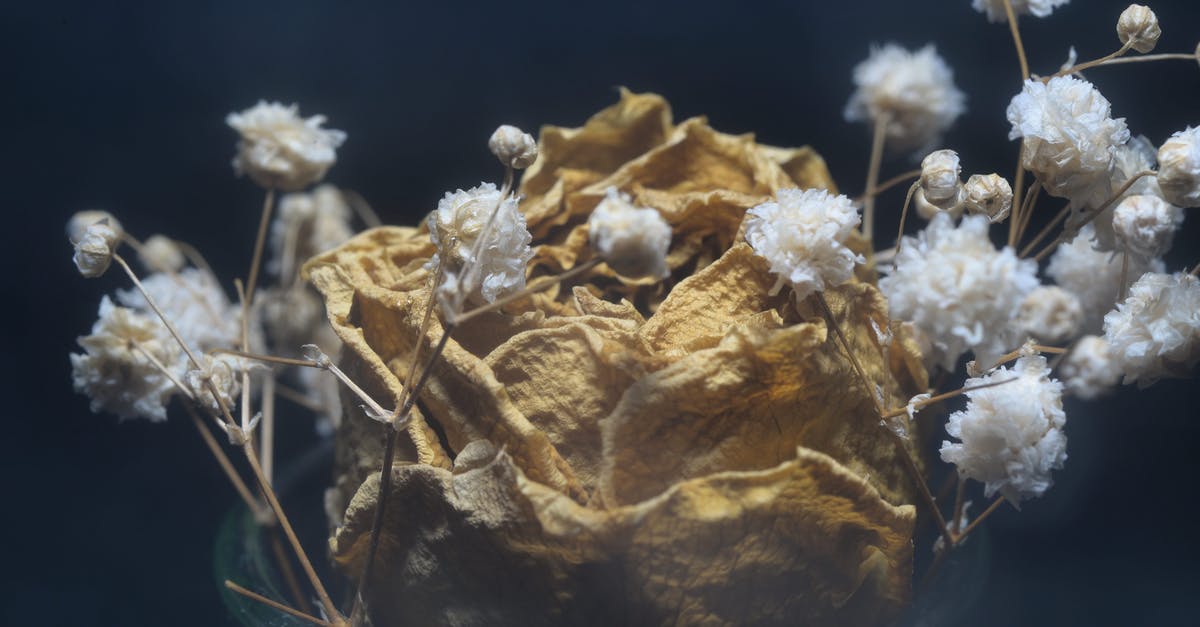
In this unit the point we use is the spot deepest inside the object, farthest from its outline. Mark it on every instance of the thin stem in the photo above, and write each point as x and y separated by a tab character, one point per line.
245	324
1018	198
903	177
540	284
1079	67
1092	216
1062	215
158	365
267	434
862	375
254	596
223	460
878	140
1152	57
426	318
287	361
1195	270
1028	204
263	223
1007	357
1016	35
915	475
361	207
289	574
979	520
297	397
904	216
286	525
194	257
896	413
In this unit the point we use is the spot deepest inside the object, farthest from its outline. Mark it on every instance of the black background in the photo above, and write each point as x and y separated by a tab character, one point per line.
120	105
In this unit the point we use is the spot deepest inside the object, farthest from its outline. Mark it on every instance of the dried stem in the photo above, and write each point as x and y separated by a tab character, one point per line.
1016	35
263	223
1092	216
862	374
896	413
1018	198
878	140
361	207
1062	215
979	520
267	434
538	285
223	460
1195	270
1079	67
286	361
903	177
254	596
1153	57
904	216
915	474
289	574
1027	208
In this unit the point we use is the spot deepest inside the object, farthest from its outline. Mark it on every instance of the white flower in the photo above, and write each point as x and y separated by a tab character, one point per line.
196	305
306	225
1146	225
1089	371
953	285
81	220
1011	434
281	150
633	241
94	251
160	253
513	147
1155	332
1138	26
115	372
1179	166
940	188
1050	314
1094	277
224	372
1068	137
996	13
1129	159
915	90
457	225
802	235
988	195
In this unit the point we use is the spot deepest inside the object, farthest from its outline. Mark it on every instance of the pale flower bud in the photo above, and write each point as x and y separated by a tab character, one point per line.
1146	225
1138	27
94	251
989	195
1179	167
160	253
633	241
513	147
83	219
940	188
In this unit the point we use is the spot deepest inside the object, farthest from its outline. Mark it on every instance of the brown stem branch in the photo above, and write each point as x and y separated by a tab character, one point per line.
254	596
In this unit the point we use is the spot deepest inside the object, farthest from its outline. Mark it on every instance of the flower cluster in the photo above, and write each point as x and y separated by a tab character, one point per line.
281	150
1155	332
456	228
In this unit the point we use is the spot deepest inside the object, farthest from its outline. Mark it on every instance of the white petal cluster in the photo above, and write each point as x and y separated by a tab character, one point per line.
224	372
1010	435
1068	137
996	13
457	225
306	225
1155	332
1138	27
1129	159
1050	314
940	188
94	251
81	220
914	89
633	241
116	374
954	286
802	235
1179	167
989	195
1146	225
1089	370
281	150
160	253
1093	276
196	305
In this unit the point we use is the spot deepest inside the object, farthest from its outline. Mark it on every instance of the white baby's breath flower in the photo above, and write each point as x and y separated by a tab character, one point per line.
1094	277
1010	435
954	285
1146	225
802	234
160	253
281	150
914	90
633	241
1089	370
989	195
1138	27
1068	137
513	147
197	306
81	220
1050	314
114	369
940	188
456	226
1129	159
94	251
1179	166
996	13
1155	332
308	224
224	372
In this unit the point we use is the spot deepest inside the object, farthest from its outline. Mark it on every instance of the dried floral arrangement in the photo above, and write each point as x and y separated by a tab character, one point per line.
668	376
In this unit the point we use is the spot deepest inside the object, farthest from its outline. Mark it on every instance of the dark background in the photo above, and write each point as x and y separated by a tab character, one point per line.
120	105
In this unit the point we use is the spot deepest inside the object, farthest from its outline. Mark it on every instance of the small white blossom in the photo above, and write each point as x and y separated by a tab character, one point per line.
457	225
953	285
633	241
802	235
1155	332
513	147
940	188
1089	370
915	90
1138	26
224	372
81	220
306	225
196	305
1146	225
281	150
1130	159
1050	314
1010	435
1179	166
1068	137
1094	277
160	253
996	13
114	370
94	251
988	195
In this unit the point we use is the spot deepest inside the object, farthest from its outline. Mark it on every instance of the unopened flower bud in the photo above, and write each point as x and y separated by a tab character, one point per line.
513	147
160	253
94	251
989	195
83	219
1146	225
940	188
1138	27
1179	168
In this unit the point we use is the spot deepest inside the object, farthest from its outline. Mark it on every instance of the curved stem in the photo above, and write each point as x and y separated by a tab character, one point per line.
1079	67
904	216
